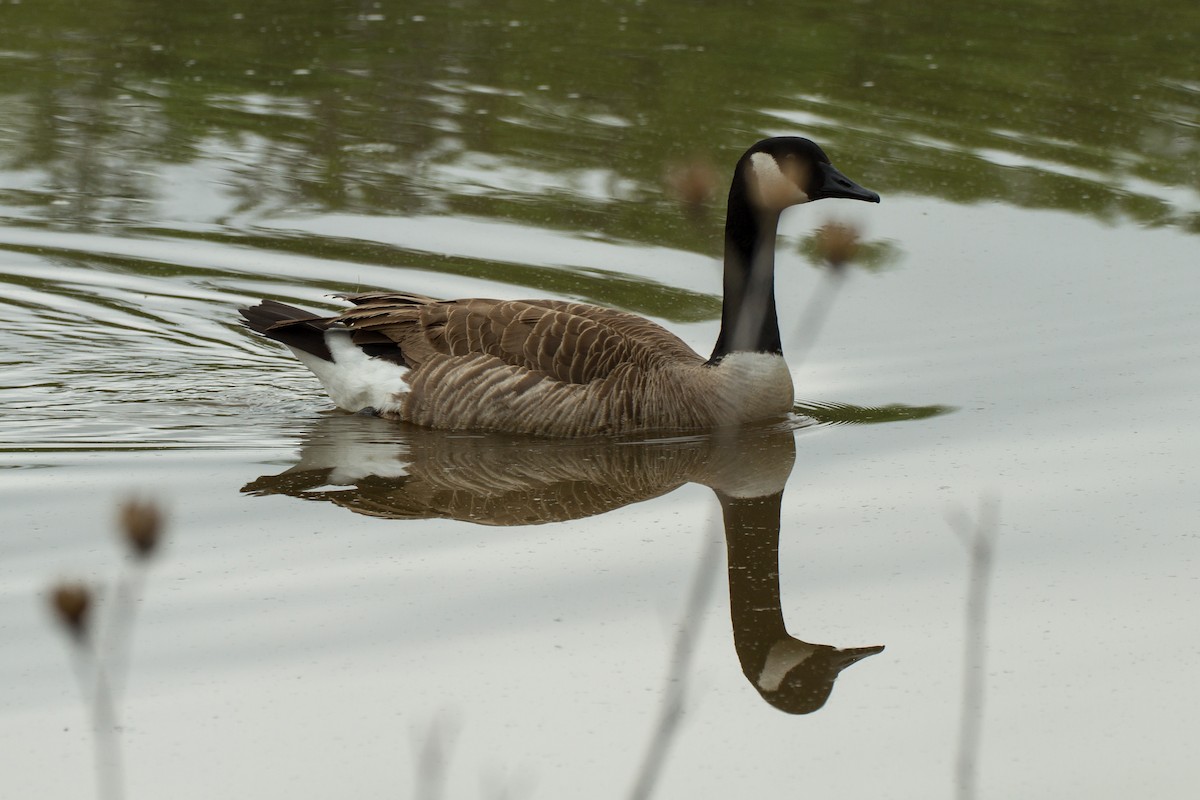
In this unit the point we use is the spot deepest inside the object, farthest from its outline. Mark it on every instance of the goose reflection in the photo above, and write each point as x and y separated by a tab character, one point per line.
384	469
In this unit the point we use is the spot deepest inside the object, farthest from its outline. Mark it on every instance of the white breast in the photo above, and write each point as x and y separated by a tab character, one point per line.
758	385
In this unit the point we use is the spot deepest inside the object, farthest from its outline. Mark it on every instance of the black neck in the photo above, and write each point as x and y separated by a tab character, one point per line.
748	319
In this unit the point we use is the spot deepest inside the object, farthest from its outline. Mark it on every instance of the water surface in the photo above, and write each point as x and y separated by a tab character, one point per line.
337	595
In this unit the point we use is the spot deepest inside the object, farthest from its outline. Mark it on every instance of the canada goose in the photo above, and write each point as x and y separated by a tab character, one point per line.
557	368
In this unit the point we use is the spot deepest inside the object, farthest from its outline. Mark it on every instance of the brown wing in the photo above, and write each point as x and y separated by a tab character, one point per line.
569	342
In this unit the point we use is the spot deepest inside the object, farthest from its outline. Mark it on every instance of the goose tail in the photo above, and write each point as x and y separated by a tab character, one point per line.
298	329
354	377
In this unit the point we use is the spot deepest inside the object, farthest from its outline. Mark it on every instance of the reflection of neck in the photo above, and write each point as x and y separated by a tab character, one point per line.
752	540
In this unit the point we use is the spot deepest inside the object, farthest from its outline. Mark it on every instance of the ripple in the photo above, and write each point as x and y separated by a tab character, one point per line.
101	358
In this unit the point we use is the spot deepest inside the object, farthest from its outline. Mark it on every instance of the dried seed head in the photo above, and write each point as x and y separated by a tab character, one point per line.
837	243
141	524
71	601
693	184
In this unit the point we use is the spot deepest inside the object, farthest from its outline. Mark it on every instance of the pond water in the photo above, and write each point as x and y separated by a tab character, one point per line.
345	607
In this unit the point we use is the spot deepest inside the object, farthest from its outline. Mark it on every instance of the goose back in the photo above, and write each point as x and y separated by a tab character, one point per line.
549	367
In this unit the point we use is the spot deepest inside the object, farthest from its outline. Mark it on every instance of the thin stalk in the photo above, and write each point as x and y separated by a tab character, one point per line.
109	771
675	694
815	312
979	539
97	697
119	638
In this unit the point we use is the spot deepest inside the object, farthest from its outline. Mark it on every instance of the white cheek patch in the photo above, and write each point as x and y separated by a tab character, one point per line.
770	187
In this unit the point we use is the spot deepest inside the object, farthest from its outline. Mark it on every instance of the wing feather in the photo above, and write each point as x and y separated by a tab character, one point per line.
568	342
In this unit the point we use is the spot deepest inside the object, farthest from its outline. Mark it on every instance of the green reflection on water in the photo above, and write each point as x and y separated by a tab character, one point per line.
573	113
845	414
623	291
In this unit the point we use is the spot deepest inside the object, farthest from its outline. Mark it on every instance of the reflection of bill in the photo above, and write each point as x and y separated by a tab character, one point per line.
383	469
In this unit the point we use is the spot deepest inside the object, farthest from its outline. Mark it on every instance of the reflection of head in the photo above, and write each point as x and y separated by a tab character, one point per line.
793	675
805	686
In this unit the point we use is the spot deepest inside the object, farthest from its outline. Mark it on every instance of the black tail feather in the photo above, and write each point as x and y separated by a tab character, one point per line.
292	326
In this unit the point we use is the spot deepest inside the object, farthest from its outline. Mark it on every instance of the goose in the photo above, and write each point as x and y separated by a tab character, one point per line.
565	369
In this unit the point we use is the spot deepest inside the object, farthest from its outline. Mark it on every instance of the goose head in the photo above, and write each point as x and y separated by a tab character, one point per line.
769	177
789	170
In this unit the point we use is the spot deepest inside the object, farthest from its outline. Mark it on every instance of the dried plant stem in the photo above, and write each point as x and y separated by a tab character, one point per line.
100	656
97	696
675	694
119	638
100	652
110	667
979	537
433	758
109	771
815	312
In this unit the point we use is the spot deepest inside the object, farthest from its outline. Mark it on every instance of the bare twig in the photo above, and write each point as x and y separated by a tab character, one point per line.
118	639
675	694
813	317
837	245
72	603
109	770
979	538
101	656
433	757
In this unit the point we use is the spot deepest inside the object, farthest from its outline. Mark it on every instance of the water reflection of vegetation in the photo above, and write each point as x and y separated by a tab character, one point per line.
335	105
873	256
387	470
627	292
843	413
